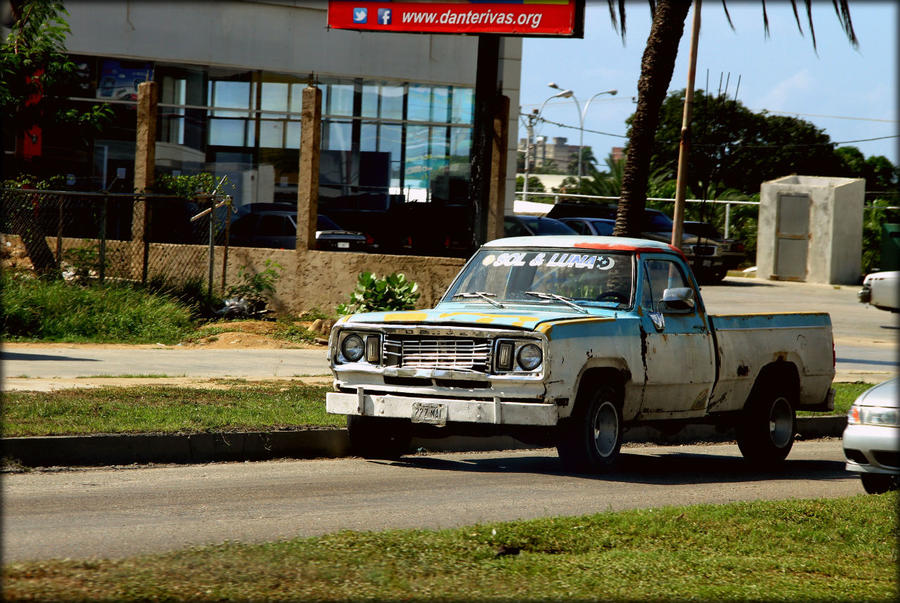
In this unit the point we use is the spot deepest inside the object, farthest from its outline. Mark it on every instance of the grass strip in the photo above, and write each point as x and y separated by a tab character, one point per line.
795	550
844	395
244	406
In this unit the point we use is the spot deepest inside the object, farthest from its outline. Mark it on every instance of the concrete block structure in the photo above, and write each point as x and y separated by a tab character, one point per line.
810	229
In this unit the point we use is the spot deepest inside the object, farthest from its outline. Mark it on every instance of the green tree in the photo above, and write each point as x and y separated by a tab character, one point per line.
534	184
38	76
733	148
657	65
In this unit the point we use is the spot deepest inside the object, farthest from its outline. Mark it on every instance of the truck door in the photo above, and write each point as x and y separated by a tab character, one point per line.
678	354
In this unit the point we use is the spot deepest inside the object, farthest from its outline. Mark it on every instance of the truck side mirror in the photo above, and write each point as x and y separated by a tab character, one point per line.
678	300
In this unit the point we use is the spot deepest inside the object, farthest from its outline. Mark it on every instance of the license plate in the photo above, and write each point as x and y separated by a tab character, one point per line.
707	263
343	245
433	413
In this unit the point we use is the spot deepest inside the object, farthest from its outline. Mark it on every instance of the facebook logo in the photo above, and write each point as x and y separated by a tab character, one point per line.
384	16
360	15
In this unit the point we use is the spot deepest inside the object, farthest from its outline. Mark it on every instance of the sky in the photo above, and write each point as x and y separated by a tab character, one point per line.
850	93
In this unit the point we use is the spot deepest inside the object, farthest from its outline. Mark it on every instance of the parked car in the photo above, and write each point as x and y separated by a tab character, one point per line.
277	228
732	251
704	255
591	226
882	290
872	438
523	226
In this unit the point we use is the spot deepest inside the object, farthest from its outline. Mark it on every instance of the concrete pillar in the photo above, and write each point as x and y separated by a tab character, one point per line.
144	174
308	177
499	154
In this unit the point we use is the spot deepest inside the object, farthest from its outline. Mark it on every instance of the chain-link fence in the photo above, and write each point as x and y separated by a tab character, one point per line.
138	238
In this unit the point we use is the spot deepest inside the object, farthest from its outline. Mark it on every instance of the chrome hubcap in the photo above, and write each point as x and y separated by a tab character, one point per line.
781	424
606	429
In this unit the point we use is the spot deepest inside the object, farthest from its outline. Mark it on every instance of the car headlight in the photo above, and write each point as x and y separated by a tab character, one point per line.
873	415
353	347
529	357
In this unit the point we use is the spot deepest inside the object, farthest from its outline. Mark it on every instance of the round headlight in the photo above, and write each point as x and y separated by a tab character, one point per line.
529	357
353	347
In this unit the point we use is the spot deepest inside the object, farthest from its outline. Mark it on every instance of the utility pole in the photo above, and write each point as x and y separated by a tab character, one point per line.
684	145
530	120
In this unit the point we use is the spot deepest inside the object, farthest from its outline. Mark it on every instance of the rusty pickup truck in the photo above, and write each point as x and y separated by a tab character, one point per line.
569	341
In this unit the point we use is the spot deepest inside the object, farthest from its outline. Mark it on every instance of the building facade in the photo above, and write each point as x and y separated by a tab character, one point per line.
397	108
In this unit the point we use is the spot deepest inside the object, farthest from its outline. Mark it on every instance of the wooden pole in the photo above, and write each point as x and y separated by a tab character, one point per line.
685	144
308	177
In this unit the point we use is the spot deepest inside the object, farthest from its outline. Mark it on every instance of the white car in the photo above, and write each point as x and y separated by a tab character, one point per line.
882	290
872	438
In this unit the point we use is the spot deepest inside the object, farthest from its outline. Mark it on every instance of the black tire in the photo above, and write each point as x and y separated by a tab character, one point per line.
589	441
378	438
766	433
878	483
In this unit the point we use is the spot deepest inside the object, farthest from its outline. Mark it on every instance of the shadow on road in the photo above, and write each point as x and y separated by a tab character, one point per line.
666	468
20	356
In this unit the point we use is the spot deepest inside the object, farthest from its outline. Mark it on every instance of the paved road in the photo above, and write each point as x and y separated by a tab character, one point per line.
121	512
866	342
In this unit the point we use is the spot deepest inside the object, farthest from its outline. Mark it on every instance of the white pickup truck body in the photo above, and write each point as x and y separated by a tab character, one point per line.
571	340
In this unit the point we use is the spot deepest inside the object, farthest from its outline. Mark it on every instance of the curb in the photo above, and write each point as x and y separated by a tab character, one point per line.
306	444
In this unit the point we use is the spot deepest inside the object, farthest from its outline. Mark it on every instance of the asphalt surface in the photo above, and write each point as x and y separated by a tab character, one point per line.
128	511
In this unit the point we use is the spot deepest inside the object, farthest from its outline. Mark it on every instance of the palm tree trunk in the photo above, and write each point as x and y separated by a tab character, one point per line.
657	66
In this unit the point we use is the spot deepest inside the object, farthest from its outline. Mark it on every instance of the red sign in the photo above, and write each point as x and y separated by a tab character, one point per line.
522	18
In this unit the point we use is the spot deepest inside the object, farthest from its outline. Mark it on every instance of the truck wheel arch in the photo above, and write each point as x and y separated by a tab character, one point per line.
609	372
784	372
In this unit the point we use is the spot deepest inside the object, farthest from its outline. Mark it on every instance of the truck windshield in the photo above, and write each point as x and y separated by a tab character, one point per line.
520	276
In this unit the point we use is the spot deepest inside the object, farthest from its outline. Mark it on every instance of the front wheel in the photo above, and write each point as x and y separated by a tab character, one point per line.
590	440
378	438
878	483
766	434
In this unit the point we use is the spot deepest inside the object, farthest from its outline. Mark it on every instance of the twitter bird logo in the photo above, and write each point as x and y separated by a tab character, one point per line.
360	15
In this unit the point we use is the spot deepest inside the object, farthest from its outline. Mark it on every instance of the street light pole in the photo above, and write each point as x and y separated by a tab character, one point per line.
581	116
531	118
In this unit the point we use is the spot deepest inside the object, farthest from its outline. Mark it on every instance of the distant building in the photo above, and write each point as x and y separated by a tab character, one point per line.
560	153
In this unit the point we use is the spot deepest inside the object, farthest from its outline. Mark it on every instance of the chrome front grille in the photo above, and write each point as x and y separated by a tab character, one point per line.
454	353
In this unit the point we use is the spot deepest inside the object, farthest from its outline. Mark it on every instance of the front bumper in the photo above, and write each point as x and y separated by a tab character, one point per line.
872	449
459	410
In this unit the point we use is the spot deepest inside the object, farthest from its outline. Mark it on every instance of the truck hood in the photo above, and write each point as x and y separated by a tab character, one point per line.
465	314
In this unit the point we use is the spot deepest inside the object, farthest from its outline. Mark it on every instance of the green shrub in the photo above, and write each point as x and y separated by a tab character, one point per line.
372	294
256	287
53	310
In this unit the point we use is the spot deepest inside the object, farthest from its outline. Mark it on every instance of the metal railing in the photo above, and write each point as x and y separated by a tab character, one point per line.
728	203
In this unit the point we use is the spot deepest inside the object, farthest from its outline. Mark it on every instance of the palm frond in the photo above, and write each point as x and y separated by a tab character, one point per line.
842	8
796	16
727	15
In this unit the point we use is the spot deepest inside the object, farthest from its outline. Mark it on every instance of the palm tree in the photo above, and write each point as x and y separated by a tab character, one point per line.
657	66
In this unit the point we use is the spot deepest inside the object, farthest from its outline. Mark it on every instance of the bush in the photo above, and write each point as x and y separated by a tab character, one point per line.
53	310
372	294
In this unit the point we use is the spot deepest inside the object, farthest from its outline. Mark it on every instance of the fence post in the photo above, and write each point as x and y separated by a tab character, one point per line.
727	219
227	236
144	172
103	211
212	244
59	227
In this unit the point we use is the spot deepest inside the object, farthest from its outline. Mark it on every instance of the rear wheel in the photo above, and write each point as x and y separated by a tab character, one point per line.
766	434
378	438
878	483
590	440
